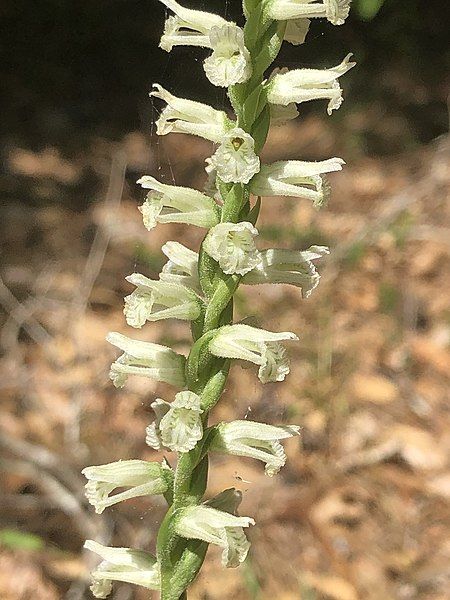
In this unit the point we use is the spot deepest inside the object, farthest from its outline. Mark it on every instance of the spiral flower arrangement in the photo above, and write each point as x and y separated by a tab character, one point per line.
199	287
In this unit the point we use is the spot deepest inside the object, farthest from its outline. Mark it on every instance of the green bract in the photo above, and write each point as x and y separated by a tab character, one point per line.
198	286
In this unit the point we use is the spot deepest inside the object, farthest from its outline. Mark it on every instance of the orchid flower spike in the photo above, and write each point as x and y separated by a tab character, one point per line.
258	346
232	246
122	564
156	300
147	360
173	204
302	85
254	440
216	527
336	11
235	160
230	62
182	266
142	478
293	267
296	178
178	425
187	116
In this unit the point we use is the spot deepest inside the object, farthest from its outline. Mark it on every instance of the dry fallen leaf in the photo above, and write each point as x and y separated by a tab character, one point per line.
373	388
331	586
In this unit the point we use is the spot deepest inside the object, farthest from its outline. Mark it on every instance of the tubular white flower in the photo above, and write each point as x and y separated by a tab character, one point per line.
230	62
296	178
188	27
178	425
233	247
147	360
122	564
296	31
173	204
302	85
187	116
336	11
254	440
216	527
279	114
142	478
294	267
157	300
235	160
182	266
258	346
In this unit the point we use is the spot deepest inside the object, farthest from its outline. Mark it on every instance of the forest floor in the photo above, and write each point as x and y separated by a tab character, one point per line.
361	510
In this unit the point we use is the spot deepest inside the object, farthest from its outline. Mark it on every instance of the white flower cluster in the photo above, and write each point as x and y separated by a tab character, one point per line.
230	245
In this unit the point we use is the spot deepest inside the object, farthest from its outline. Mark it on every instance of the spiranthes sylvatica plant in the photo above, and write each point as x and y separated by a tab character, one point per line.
198	287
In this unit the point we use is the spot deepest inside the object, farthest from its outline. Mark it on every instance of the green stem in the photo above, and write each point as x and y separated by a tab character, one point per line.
206	375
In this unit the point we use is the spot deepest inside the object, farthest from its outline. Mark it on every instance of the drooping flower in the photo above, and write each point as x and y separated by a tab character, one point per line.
230	62
258	346
141	478
122	564
235	160
147	360
296	178
178	425
174	204
216	527
336	11
188	27
182	266
156	300
232	246
294	267
254	440
187	116
302	85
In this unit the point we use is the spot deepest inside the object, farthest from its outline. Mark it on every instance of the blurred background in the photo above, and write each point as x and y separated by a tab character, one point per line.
361	511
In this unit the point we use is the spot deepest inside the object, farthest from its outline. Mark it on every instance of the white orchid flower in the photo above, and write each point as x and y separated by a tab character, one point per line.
122	564
302	85
235	160
178	425
254	440
293	267
156	300
336	11
216	527
142	478
258	346
296	178
147	360
232	246
188	116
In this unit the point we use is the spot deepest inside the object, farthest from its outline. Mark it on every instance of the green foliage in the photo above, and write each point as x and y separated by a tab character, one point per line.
368	9
20	540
